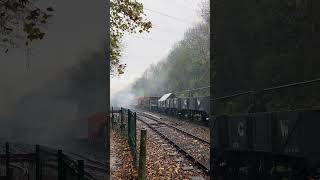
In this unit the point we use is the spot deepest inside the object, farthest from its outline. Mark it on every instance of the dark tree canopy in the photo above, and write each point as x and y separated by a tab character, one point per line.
21	22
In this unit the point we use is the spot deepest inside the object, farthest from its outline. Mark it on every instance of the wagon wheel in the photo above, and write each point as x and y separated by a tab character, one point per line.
299	169
226	170
294	169
265	167
203	116
219	171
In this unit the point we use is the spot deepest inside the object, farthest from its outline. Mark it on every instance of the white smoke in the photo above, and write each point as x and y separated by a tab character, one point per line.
124	98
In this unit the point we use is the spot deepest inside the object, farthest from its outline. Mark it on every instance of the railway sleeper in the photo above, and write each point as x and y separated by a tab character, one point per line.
179	149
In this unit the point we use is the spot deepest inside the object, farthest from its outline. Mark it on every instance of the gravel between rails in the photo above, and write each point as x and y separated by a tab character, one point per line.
164	161
188	126
198	150
195	136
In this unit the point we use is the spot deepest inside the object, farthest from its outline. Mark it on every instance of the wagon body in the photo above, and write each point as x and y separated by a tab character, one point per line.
203	104
177	103
192	104
287	134
184	103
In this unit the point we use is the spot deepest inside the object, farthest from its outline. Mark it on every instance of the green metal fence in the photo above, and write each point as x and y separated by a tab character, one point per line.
127	121
132	135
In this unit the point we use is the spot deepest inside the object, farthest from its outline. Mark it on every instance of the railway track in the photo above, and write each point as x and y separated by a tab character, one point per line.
194	148
174	127
94	169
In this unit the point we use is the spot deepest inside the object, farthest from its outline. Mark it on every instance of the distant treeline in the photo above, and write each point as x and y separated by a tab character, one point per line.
186	67
257	44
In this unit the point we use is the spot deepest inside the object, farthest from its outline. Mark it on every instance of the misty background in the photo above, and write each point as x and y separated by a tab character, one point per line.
174	56
152	58
170	20
44	92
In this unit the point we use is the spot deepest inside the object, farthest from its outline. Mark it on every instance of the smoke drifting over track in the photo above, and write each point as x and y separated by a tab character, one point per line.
36	94
124	98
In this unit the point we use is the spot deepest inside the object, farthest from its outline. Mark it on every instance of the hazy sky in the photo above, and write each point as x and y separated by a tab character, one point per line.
141	50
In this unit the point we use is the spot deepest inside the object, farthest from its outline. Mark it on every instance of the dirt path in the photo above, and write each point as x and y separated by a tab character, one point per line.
113	155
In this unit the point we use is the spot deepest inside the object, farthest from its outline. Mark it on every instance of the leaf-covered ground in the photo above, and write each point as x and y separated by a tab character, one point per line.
121	161
163	161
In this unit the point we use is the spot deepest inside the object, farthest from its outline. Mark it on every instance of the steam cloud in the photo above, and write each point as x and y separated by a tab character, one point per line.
124	98
34	107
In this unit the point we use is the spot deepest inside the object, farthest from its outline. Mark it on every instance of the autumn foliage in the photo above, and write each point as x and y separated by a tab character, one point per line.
21	22
125	16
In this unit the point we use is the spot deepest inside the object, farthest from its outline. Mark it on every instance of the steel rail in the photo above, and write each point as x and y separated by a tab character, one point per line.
179	148
178	129
86	158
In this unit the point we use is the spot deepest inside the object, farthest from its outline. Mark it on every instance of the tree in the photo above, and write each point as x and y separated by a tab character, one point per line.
21	22
125	16
186	67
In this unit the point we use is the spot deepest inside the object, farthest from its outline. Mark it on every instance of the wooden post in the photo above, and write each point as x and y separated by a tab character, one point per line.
38	170
121	120
80	169
60	165
7	160
129	124
142	174
112	118
135	137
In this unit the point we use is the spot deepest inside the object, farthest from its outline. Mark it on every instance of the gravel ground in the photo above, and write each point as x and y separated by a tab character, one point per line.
164	161
195	148
114	160
198	130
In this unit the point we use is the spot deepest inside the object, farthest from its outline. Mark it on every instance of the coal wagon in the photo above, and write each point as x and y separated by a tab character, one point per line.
266	145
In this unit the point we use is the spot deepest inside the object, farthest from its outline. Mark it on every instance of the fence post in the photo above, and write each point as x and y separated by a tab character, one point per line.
129	125
38	171
135	137
60	165
7	160
142	159
80	169
121	120
112	118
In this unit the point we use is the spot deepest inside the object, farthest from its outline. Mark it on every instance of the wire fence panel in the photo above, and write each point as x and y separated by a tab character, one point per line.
127	121
41	164
132	135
